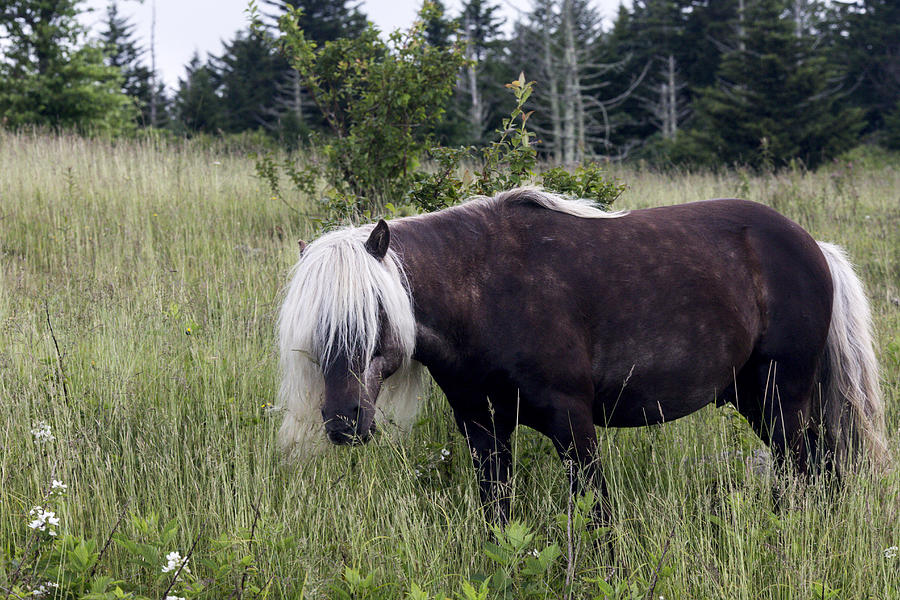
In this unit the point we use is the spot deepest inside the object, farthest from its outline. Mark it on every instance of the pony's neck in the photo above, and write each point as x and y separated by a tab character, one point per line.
438	252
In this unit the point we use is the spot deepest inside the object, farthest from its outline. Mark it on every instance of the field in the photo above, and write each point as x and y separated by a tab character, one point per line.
139	284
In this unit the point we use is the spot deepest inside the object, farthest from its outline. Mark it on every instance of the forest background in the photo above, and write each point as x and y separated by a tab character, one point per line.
687	82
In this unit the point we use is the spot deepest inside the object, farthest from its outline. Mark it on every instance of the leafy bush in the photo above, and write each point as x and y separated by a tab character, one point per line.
508	162
380	100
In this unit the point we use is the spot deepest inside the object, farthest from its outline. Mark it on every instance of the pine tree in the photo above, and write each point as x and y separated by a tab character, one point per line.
323	20
291	114
139	83
439	28
892	128
710	28
441	31
679	44
866	38
247	74
51	76
775	102
198	106
662	97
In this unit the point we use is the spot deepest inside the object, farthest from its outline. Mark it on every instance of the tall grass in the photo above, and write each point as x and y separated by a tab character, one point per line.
158	267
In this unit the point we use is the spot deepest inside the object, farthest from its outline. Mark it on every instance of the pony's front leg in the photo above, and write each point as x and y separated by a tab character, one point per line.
573	434
492	459
489	447
488	430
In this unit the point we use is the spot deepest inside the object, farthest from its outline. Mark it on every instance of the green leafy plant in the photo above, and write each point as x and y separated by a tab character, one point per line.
54	563
521	569
380	100
509	161
354	585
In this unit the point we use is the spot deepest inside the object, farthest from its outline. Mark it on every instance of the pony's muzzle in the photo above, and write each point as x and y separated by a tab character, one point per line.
343	431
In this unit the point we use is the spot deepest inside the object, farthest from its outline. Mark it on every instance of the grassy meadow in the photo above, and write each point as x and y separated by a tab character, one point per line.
139	284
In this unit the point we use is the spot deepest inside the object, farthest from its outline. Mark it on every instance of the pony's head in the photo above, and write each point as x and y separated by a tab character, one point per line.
346	335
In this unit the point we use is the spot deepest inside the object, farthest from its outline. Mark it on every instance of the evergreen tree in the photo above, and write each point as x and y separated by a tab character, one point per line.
657	42
892	128
291	113
710	30
439	29
670	49
775	101
866	38
247	74
626	120
50	76
198	106
139	83
323	20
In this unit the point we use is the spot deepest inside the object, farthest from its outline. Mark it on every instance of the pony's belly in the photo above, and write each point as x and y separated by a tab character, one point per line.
636	408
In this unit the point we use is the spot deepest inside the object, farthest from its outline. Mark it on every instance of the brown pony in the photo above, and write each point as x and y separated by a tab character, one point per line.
531	309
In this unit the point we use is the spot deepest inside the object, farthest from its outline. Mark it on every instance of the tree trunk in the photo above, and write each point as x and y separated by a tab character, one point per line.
671	104
476	109
553	85
571	87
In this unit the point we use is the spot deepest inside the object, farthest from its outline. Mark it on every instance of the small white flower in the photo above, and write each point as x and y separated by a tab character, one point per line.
174	597
215	162
44	589
41	432
174	562
535	553
43	519
444	453
891	552
58	487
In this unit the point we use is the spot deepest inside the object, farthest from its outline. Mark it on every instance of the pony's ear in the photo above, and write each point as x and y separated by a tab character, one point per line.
302	245
379	239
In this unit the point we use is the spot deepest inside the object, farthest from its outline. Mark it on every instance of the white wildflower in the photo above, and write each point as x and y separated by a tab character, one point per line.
44	589
44	520
535	553
58	487
174	562
444	453
41	432
174	597
891	552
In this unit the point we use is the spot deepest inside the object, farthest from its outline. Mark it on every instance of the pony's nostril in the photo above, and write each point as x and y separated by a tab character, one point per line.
343	430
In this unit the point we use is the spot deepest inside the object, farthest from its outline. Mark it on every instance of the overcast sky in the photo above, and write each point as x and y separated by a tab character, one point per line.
186	26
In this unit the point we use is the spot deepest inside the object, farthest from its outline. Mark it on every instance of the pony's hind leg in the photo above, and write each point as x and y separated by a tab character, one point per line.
776	399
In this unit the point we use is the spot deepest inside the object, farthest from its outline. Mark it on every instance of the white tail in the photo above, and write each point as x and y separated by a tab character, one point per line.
852	406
